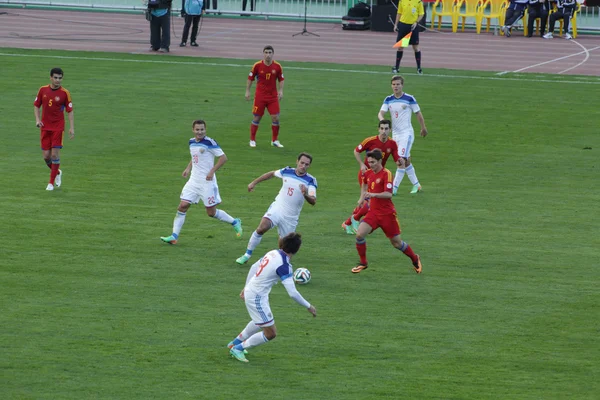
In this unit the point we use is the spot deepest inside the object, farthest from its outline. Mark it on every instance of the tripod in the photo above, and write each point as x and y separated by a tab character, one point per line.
304	31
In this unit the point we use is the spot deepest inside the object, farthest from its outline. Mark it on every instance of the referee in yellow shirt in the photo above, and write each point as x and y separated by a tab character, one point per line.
410	13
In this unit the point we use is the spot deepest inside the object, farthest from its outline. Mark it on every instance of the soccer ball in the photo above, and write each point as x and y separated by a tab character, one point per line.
302	276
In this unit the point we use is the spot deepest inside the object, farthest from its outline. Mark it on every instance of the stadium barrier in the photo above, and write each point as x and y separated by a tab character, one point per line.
333	10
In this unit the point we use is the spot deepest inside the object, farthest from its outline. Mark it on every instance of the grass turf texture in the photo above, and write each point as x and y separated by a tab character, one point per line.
95	306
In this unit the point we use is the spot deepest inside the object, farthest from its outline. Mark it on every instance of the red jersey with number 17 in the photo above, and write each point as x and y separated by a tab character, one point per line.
380	182
266	78
54	103
390	147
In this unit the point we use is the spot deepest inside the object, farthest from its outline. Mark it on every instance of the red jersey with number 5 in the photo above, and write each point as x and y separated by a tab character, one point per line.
380	182
390	147
266	79
54	103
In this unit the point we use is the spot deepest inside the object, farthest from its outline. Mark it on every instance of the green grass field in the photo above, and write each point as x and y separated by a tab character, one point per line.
94	306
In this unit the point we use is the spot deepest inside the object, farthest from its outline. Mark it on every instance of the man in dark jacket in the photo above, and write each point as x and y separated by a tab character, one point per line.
564	11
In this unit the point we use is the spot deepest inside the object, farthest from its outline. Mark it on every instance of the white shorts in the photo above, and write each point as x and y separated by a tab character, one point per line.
259	309
207	192
404	143
285	224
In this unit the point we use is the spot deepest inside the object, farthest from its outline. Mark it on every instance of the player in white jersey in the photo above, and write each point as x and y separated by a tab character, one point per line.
202	184
401	106
263	275
284	212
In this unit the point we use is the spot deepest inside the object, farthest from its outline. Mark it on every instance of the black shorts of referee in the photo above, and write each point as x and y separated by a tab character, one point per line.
404	29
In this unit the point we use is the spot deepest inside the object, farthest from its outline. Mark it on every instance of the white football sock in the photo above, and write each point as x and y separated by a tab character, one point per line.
410	171
223	216
178	222
248	331
399	176
253	242
255	340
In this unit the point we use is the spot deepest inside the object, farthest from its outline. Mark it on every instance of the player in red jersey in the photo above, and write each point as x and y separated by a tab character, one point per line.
377	186
388	147
55	100
267	73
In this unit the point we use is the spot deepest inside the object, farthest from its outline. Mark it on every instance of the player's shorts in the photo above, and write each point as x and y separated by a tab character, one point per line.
404	143
51	139
404	29
207	192
285	223
259	309
361	175
388	223
272	105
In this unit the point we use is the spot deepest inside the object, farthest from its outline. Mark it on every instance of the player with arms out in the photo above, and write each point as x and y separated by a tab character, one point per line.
401	107
202	184
54	101
388	148
298	186
267	74
377	186
263	275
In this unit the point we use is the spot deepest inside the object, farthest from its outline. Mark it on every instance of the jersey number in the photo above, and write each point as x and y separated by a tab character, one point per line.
290	191
395	114
211	200
263	264
268	76
372	185
195	158
50	103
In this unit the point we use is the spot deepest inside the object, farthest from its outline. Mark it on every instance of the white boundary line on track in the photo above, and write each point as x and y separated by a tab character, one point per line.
585	51
592	81
587	56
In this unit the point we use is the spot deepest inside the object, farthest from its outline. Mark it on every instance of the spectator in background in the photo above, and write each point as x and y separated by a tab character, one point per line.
159	13
537	9
192	11
514	12
244	3
564	11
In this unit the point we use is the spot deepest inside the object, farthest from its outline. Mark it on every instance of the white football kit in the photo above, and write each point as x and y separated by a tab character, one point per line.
263	275
203	160
401	110
284	212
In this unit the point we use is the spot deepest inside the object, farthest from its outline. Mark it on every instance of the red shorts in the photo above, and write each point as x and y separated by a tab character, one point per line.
361	174
388	223
272	105
51	139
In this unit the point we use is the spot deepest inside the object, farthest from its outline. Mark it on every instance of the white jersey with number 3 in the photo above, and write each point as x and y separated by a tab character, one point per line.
401	110
272	268
290	199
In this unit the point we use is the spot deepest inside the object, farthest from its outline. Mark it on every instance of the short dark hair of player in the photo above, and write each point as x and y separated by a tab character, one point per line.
376	154
291	243
269	47
199	122
385	122
398	78
57	71
303	154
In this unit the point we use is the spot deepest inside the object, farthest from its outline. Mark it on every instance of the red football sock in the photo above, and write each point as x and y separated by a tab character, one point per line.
274	132
361	212
362	251
53	172
253	129
410	253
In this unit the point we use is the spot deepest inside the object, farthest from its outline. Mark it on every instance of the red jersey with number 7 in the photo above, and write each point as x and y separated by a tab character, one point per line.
380	182
266	79
389	148
54	103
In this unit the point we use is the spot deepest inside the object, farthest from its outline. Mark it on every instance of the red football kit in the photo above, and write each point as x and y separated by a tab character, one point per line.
390	147
266	87
382	213
54	103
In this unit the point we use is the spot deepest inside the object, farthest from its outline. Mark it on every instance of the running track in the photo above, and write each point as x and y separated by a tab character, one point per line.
244	38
